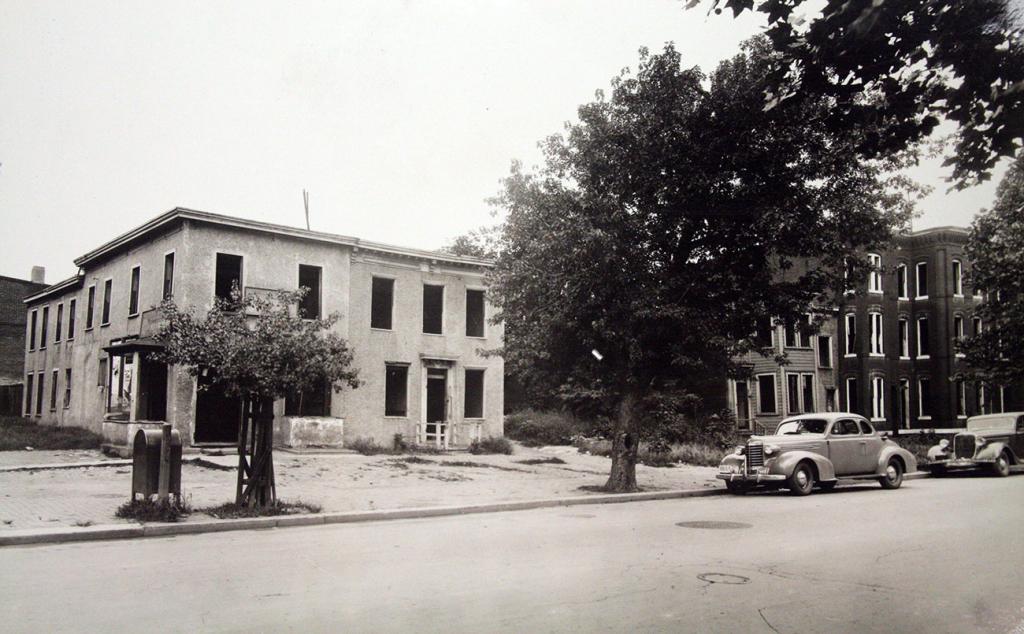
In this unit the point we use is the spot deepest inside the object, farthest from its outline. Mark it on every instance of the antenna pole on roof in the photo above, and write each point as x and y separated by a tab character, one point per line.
305	201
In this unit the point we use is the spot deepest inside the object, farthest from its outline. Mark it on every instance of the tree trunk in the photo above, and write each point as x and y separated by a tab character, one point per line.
622	478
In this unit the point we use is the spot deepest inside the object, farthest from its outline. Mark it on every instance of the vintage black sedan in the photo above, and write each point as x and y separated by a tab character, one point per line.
992	442
816	450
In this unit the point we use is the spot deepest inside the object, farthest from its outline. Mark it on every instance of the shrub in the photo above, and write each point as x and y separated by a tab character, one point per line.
535	461
398	443
16	433
659	453
534	428
491	445
368	447
151	510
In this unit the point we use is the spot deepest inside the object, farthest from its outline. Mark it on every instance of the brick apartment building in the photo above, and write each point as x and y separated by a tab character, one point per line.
12	337
886	353
416	321
897	360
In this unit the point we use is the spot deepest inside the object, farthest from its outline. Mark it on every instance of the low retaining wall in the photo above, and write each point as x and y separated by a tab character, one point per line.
309	431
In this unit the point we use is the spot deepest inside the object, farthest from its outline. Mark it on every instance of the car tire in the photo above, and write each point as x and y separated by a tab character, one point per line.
801	481
737	488
893	477
1001	467
827	486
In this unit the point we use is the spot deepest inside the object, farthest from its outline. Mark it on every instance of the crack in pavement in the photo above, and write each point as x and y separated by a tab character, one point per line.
760	612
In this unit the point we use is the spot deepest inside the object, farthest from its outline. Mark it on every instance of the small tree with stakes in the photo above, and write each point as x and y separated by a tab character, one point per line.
258	348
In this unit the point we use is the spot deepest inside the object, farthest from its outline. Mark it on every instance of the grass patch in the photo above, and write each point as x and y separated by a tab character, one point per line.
659	455
491	445
535	428
150	510
17	433
230	510
533	461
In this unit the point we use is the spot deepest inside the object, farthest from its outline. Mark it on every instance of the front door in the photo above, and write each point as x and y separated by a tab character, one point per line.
437	405
217	415
844	447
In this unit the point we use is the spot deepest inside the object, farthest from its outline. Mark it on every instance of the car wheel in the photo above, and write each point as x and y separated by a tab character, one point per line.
1001	467
827	486
893	477
737	488
801	481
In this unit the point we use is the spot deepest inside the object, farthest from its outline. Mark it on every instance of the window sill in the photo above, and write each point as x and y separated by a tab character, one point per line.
961	416
394	417
372	329
133	315
924	418
799	348
105	325
878	419
923	356
874	292
921	297
958	295
903	298
850	355
485	337
904	358
433	334
767	413
877	355
961	355
475	419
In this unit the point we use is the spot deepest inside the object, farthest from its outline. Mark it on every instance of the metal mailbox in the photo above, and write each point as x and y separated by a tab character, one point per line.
146	462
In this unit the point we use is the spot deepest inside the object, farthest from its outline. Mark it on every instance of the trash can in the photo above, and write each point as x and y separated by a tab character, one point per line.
146	462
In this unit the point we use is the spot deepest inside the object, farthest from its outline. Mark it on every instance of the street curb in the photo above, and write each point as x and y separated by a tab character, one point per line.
67	465
917	475
117	531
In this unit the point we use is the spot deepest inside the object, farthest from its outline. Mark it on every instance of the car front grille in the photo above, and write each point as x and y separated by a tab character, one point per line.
755	454
963	446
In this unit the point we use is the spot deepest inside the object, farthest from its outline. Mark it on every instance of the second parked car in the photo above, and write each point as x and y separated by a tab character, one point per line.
816	450
992	442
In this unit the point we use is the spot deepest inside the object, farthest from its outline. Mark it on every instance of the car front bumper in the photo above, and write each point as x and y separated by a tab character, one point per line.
754	478
960	463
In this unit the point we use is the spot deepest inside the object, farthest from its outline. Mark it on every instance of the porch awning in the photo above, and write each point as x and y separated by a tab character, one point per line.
128	345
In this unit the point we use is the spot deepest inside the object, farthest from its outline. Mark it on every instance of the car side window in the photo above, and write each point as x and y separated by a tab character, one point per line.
838	429
865	428
845	427
1020	423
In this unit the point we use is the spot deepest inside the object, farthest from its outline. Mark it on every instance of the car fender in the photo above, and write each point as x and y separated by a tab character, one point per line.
909	461
786	463
991	451
733	459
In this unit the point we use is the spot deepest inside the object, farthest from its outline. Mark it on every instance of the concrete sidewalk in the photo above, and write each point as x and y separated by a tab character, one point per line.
85	498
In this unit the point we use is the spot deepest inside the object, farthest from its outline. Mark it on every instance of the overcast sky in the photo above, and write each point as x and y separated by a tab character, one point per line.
399	117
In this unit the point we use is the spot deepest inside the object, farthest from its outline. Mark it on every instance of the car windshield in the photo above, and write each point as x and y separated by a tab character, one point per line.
802	426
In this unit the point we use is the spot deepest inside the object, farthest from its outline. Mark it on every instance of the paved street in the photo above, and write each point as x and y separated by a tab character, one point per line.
938	556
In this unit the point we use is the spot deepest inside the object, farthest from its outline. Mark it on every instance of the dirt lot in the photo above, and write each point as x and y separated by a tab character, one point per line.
337	482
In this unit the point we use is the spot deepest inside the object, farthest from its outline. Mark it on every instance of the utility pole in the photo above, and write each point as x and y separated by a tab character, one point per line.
305	202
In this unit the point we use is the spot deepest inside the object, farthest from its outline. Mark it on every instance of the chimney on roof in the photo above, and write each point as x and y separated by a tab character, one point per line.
39	274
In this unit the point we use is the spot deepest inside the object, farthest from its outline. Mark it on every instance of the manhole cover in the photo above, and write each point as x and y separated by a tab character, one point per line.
705	524
721	577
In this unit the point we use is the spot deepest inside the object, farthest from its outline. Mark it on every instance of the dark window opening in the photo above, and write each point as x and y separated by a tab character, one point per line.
852	396
53	391
315	401
380	304
925	396
29	382
32	330
474	313
808	392
474	406
395	388
60	323
922	337
152	389
793	393
133	296
90	307
67	388
229	275
107	289
766	394
309	278
101	378
433	309
168	276
742	401
43	327
922	279
763	335
40	379
72	313
824	351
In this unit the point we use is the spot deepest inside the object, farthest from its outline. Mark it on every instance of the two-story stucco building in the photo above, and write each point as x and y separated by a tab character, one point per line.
418	323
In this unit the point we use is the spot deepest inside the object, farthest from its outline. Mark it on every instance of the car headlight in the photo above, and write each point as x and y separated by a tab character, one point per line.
770	449
740	450
980	440
944	444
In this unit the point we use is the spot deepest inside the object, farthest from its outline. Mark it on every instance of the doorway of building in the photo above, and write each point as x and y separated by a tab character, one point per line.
436	426
903	404
217	414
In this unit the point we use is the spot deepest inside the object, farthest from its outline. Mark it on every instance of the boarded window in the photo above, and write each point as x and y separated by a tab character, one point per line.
67	388
309	278
766	394
107	289
101	378
380	304
229	275
72	313
133	296
168	276
433	309
90	307
474	406
474	313
395	389
315	401
29	382
43	325
60	323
